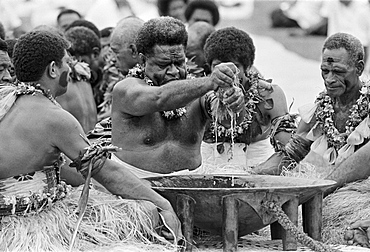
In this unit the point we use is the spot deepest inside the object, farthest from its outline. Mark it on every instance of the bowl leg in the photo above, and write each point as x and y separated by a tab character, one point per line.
230	223
185	211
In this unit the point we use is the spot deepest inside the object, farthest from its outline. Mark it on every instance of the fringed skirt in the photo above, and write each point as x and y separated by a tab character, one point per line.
38	214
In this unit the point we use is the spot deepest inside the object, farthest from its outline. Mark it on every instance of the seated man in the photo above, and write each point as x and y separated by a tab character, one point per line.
266	115
79	98
34	132
336	126
159	116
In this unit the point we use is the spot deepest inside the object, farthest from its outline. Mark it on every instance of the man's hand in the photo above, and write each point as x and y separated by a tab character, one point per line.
172	224
358	234
223	75
234	99
271	166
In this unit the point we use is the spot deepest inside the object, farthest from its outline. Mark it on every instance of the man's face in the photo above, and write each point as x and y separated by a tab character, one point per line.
122	57
166	64
63	74
176	9
66	19
201	15
193	51
338	75
5	66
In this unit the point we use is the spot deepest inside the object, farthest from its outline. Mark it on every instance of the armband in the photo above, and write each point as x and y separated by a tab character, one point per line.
92	158
286	123
297	148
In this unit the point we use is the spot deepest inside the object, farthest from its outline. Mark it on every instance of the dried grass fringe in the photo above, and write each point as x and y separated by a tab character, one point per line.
110	224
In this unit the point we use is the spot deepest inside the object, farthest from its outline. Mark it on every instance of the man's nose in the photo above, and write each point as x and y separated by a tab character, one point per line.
172	69
6	77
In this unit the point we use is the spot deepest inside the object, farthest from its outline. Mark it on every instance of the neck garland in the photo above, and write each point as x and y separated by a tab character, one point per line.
32	88
325	117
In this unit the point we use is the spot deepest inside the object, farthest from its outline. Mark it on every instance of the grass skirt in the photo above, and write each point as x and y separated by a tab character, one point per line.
110	223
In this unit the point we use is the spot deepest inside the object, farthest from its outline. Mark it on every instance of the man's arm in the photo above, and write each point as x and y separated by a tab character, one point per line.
71	140
355	167
133	96
295	150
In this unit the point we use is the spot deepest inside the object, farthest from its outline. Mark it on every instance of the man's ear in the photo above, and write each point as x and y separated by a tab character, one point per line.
52	69
360	66
134	52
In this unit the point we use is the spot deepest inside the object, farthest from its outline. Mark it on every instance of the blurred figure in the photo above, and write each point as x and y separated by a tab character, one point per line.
105	45
66	17
301	14
202	10
198	33
95	66
172	8
5	64
79	98
351	17
124	56
9	17
2	31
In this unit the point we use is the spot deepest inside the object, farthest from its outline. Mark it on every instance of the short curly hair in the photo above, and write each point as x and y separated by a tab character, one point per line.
160	31
347	41
87	24
34	51
83	40
208	5
229	44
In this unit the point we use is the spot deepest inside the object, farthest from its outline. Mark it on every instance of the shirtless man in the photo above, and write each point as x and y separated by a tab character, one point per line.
35	130
332	125
79	98
5	64
267	116
159	117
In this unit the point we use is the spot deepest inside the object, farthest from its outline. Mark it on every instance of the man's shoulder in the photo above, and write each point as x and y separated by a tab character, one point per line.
127	82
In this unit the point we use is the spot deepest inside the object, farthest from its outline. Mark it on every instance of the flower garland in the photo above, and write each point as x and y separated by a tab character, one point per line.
252	98
31	88
325	114
138	72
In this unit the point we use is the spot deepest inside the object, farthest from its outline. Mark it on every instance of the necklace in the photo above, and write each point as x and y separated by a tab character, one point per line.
325	117
138	72
31	88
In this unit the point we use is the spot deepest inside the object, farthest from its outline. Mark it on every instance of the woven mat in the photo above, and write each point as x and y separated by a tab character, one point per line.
254	243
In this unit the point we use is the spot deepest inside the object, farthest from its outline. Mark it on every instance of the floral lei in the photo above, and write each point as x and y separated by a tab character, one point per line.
138	72
325	114
31	88
252	98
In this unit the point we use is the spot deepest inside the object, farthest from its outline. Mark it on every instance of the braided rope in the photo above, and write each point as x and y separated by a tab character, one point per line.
289	226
